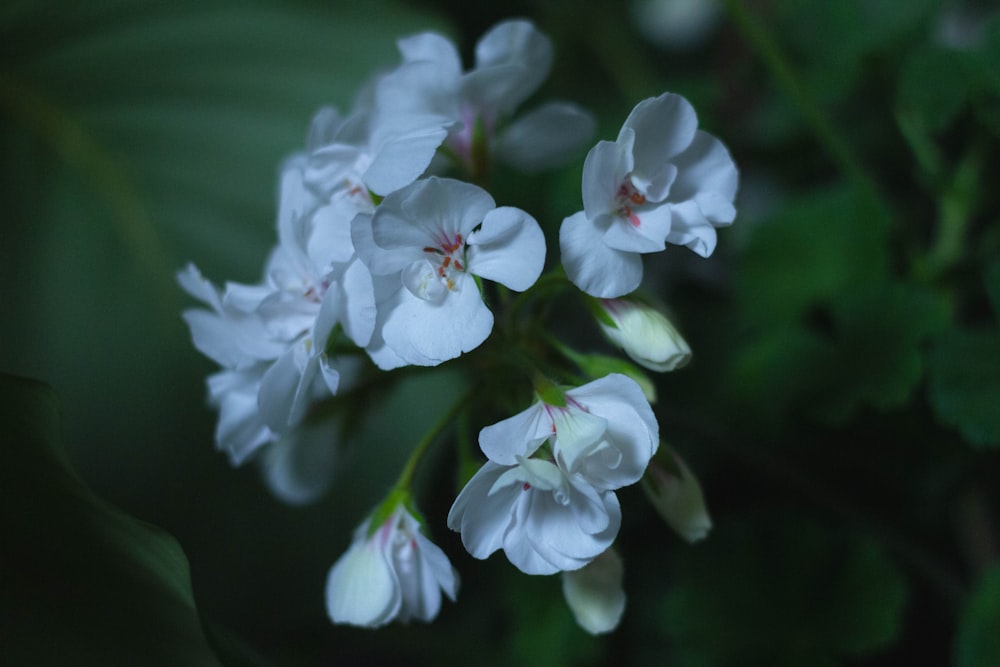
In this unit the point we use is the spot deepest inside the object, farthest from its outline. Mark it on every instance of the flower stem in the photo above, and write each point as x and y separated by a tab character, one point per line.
776	61
406	477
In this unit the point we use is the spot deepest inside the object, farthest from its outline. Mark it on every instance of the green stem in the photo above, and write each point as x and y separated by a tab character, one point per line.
548	284
406	477
955	211
776	61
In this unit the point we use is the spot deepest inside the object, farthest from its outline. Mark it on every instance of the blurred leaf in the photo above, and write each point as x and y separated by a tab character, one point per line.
934	84
544	631
877	358
139	136
781	590
977	642
93	585
835	39
818	246
992	283
862	348
964	368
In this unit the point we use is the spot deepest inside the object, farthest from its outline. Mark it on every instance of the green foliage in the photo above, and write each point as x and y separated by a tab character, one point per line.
965	384
978	642
84	583
782	590
965	375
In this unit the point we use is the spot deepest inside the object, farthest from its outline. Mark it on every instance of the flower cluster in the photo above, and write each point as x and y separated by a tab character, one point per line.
390	251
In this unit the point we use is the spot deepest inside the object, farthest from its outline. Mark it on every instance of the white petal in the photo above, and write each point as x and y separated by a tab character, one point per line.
299	467
356	303
509	249
577	433
679	500
556	534
632	428
323	128
195	284
664	126
427	334
704	167
690	228
428	213
516	42
646	231
234	341
547	137
605	169
361	588
240	431
482	518
330	240
434	48
595	594
590	264
287	389
403	156
515	436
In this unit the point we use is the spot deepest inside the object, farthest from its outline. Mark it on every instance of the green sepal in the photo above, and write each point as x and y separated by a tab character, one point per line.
388	507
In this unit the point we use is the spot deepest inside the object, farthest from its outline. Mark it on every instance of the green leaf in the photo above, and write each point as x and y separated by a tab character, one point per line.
992	282
964	368
826	330
817	247
138	137
93	585
876	359
977	641
780	590
934	84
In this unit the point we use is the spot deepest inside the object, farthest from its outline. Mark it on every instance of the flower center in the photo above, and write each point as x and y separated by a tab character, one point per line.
627	198
448	259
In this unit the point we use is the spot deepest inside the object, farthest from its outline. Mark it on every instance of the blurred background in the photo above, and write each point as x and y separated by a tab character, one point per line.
842	410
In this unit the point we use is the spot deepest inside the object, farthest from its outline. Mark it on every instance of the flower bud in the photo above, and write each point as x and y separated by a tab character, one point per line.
645	333
594	593
676	495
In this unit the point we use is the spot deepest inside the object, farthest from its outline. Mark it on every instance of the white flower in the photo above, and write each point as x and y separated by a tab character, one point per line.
543	519
604	430
557	510
594	593
271	338
645	333
424	245
662	181
390	572
512	60
676	494
369	150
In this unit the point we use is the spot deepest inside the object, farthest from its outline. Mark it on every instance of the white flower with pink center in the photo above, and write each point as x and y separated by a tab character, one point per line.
546	496
425	246
661	181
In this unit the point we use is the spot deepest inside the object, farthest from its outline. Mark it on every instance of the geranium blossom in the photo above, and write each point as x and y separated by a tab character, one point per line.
271	338
512	60
662	181
544	520
554	508
424	245
390	572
